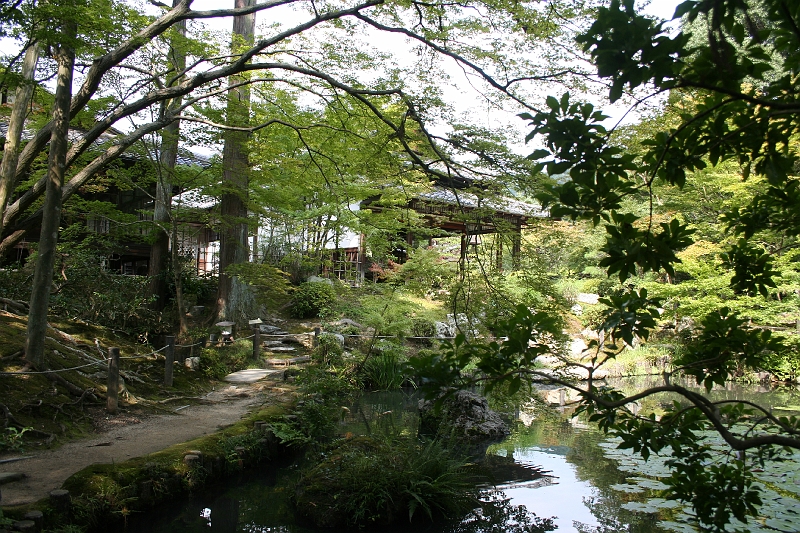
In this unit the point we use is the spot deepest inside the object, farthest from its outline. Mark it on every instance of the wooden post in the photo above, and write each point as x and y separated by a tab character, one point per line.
169	364
112	384
315	341
256	342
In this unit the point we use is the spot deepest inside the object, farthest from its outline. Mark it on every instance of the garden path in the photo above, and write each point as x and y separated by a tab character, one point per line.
125	435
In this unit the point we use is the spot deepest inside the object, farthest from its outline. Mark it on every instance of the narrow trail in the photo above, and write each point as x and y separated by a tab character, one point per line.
124	437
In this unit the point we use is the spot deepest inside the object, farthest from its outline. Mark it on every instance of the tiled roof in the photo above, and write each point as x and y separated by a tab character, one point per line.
472	201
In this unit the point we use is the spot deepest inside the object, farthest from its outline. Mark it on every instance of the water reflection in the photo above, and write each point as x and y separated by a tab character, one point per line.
551	466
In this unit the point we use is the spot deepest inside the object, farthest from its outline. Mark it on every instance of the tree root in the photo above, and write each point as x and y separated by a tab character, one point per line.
17	307
14	355
73	389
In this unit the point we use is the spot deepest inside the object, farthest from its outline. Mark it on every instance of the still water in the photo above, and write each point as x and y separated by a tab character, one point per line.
554	465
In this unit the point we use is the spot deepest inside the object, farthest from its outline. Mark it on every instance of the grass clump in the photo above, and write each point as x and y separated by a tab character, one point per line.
218	362
365	482
386	368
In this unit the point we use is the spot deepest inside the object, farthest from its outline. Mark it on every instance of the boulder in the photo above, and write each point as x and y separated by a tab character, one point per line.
267	329
443	330
587	298
192	363
464	417
577	346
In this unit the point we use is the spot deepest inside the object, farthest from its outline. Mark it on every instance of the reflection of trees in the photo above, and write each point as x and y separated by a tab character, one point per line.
612	519
592	465
497	515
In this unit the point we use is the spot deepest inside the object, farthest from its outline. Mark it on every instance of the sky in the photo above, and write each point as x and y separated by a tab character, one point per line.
466	100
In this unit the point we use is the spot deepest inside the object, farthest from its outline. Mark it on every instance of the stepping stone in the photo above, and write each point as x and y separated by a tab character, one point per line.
251	375
269	344
282	349
10	477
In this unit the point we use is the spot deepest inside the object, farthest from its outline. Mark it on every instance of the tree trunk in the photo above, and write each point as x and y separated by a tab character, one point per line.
168	158
176	273
233	297
56	163
22	99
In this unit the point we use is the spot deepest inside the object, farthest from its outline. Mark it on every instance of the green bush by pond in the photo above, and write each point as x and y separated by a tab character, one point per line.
365	482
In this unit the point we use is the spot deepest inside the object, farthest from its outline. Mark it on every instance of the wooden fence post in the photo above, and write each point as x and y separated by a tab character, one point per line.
169	364
112	384
256	342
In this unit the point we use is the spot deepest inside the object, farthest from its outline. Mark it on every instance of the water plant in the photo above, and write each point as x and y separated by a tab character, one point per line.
368	481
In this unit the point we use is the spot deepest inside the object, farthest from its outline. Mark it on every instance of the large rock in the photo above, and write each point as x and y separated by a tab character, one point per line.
464	417
443	330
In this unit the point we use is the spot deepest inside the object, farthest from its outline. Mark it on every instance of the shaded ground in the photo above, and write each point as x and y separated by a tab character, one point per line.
130	434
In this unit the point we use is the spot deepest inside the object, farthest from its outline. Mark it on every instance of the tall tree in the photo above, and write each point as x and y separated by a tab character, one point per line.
167	160
234	297
22	99
64	53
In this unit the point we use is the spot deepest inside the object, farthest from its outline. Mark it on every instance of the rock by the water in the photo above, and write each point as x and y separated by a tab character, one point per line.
443	330
582	374
577	347
463	416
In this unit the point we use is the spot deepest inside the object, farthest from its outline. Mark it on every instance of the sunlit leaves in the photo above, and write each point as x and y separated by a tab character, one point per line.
630	248
630	314
725	346
576	143
632	49
752	268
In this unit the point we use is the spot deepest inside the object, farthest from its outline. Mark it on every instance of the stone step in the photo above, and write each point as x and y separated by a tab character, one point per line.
281	349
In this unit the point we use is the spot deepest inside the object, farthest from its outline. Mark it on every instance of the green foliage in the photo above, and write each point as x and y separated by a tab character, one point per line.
385	370
422	327
529	335
366	482
630	314
732	72
218	362
325	396
271	285
724	347
312	299
328	351
11	439
85	289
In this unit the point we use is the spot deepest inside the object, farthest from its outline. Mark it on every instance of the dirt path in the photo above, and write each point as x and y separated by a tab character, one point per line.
124	437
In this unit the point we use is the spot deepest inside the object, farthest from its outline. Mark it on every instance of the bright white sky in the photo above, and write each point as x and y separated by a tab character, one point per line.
465	98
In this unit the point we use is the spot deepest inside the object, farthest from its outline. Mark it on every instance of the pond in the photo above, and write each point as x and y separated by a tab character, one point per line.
556	466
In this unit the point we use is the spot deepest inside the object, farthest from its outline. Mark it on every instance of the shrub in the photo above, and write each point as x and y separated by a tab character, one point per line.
367	482
312	299
324	394
423	327
328	351
217	363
